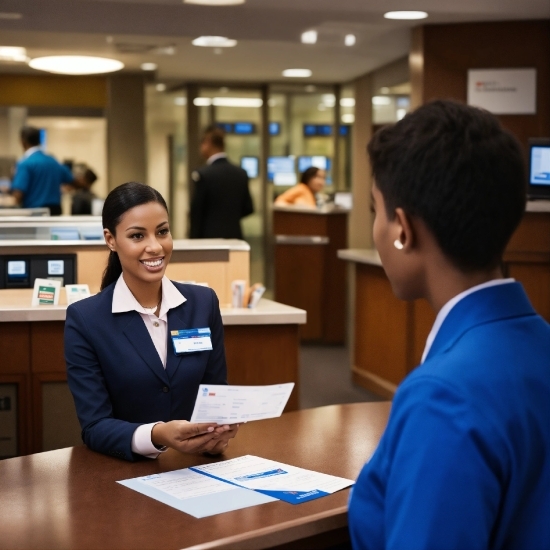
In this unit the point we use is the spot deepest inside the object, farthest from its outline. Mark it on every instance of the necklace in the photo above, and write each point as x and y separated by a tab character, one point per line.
151	309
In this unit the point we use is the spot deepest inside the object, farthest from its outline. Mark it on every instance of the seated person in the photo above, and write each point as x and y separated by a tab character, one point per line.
133	394
312	181
465	458
83	196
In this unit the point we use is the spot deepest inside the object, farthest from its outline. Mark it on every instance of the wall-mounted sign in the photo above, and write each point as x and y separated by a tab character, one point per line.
503	91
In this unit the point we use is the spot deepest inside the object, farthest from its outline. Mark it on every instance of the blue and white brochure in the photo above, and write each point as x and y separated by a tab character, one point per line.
275	479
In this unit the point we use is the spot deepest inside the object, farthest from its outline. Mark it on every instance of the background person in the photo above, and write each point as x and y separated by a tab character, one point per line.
463	462
38	176
82	198
312	181
221	197
133	394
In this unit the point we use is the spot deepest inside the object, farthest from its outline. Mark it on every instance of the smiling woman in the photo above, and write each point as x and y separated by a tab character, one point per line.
133	395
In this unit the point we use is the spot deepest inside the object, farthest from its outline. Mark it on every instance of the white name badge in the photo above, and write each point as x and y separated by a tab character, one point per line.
191	340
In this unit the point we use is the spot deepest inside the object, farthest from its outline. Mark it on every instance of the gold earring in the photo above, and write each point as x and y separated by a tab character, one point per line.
398	244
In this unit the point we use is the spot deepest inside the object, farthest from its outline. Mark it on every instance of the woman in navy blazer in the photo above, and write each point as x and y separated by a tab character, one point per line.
133	394
464	462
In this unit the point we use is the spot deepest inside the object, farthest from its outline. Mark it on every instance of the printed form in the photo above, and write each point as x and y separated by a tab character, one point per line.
236	404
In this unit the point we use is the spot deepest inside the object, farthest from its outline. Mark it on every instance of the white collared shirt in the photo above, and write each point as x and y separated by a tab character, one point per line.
30	151
157	327
215	157
446	309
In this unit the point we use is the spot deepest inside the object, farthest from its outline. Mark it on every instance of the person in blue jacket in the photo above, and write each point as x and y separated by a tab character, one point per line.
464	462
133	393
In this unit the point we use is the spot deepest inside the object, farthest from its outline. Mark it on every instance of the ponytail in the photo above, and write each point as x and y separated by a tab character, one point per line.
118	202
112	271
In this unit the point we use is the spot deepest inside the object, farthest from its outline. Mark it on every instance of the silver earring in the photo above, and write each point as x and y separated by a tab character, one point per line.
398	244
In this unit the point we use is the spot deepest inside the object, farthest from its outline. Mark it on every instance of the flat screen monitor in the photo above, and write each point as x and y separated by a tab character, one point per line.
281	170
244	128
344	130
43	138
317	130
251	165
539	168
17	272
318	161
227	127
274	128
64	234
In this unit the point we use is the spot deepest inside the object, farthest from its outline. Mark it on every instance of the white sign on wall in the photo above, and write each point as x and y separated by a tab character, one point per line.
503	91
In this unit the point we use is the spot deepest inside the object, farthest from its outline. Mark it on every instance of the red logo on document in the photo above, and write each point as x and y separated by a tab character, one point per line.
211	393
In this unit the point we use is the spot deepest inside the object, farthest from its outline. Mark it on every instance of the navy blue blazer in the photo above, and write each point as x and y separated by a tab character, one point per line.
465	459
116	376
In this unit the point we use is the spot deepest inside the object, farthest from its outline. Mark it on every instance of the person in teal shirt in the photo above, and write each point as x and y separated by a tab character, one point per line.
464	462
38	176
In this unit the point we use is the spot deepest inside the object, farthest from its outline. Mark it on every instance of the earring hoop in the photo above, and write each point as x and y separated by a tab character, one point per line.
398	244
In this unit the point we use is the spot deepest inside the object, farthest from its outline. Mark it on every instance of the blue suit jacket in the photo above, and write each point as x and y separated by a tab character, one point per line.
465	459
115	373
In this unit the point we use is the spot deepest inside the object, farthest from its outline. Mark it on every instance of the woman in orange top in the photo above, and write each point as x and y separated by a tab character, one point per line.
312	181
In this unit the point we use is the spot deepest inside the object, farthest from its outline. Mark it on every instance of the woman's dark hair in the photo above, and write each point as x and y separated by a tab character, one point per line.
118	202
455	168
309	174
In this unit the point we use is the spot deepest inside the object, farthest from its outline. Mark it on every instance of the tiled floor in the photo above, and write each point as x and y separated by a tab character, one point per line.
325	378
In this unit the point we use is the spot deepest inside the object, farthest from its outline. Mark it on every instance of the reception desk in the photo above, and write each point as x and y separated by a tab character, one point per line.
69	498
308	273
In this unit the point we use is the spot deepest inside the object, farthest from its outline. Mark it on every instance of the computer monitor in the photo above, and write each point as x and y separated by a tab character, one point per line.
251	165
305	162
281	170
539	168
227	127
317	130
274	128
244	128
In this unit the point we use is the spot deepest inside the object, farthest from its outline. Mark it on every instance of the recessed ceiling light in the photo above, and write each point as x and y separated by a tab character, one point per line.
215	2
202	102
160	87
10	15
13	53
329	99
348	118
149	66
75	64
237	102
180	101
406	15
347	102
381	100
309	37
297	73
214	42
350	40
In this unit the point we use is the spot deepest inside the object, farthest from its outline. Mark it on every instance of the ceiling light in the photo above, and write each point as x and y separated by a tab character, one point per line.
215	2
406	15
350	40
202	102
75	64
160	87
297	73
348	118
149	66
180	101
329	100
13	53
309	37
10	15
237	102
214	42
381	100
347	102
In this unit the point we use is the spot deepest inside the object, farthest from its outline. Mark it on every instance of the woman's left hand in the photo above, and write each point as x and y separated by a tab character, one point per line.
223	440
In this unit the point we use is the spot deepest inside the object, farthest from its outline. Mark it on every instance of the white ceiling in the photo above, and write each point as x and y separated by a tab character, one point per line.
268	32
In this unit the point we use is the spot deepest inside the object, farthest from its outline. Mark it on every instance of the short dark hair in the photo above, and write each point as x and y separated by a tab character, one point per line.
90	176
30	136
456	169
216	136
118	202
309	174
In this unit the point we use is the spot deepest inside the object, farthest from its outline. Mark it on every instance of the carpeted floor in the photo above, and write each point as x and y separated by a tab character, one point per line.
325	378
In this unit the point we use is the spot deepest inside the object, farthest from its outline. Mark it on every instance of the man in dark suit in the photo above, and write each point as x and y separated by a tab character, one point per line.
221	196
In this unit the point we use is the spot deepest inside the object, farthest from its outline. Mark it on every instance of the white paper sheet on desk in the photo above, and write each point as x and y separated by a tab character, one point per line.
275	479
235	404
194	493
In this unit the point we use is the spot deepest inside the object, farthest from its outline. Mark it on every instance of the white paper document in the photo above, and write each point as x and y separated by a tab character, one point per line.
235	404
275	479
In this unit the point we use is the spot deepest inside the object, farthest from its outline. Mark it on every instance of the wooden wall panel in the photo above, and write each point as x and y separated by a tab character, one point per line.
47	353
15	348
299	223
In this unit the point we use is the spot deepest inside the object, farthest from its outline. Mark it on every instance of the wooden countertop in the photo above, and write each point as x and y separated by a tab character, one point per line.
361	255
69	498
15	307
323	210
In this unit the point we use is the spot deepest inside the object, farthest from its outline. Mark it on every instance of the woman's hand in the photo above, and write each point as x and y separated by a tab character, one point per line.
193	438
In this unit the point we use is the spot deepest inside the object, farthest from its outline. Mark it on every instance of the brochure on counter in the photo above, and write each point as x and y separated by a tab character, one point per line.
229	485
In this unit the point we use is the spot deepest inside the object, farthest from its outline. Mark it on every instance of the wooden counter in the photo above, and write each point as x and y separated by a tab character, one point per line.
308	273
261	344
70	499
